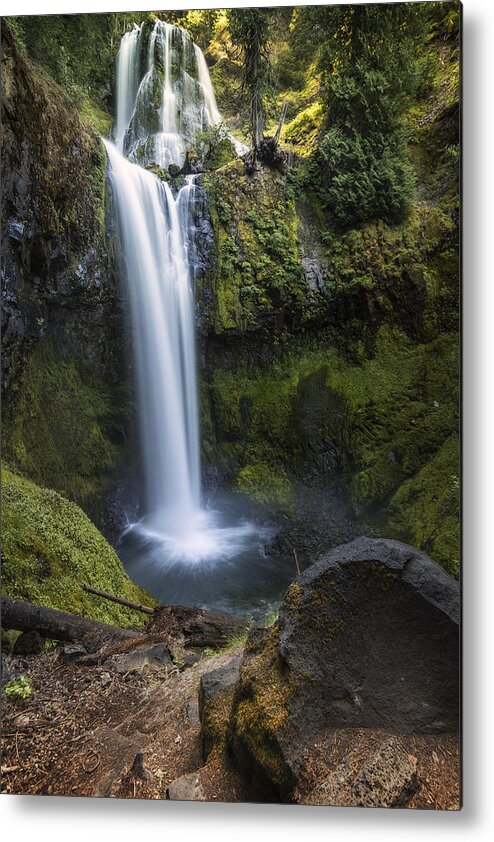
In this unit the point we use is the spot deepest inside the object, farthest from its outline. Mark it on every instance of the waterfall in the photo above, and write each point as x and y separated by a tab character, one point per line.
179	549
157	241
127	82
153	225
164	95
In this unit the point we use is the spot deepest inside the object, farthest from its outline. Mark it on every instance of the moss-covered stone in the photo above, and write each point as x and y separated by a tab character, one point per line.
385	603
256	269
266	484
50	548
259	713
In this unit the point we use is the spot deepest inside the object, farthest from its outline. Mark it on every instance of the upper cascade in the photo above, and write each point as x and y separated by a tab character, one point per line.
164	95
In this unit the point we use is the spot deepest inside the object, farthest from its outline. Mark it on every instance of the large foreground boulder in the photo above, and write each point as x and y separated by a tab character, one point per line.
367	638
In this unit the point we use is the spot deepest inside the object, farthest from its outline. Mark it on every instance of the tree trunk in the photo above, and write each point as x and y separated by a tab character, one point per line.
198	627
56	625
280	124
257	115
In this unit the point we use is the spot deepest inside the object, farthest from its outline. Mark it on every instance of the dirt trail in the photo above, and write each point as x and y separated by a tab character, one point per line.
80	730
106	730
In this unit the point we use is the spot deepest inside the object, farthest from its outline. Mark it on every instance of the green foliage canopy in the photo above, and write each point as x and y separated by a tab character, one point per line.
370	59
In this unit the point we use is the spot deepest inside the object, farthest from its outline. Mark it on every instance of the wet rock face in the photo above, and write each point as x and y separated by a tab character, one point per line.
61	313
51	231
367	638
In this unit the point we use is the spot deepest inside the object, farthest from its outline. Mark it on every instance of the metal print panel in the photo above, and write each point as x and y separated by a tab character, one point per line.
230	476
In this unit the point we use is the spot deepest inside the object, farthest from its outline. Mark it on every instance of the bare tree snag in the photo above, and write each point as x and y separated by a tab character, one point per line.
280	124
136	606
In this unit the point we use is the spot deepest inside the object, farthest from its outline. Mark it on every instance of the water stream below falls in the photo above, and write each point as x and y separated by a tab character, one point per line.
179	550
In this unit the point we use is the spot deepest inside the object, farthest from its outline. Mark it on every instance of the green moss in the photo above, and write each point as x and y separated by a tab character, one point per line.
64	149
381	417
294	596
425	509
99	119
434	121
257	267
302	131
65	430
403	404
214	724
50	548
260	712
78	51
408	274
266	484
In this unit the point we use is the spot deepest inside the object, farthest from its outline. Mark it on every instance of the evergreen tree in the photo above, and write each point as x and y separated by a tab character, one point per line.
249	29
370	60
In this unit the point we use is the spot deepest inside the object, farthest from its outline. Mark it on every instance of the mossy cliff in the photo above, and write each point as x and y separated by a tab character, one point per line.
63	377
333	355
50	548
257	276
385	420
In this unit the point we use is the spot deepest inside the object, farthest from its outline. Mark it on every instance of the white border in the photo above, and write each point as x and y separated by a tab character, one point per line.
77	819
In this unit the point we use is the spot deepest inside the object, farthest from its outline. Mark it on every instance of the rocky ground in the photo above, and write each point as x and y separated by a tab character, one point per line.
128	727
349	699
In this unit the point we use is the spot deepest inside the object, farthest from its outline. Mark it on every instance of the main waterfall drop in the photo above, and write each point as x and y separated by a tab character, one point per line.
164	97
162	307
179	550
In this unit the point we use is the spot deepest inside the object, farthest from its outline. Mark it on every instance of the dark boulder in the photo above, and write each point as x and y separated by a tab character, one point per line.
29	643
366	638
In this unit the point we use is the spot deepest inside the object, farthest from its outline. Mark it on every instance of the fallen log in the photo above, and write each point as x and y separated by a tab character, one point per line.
56	625
136	606
180	627
198	628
